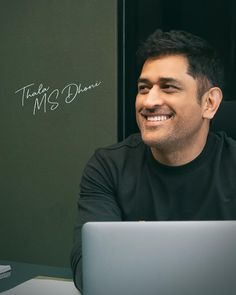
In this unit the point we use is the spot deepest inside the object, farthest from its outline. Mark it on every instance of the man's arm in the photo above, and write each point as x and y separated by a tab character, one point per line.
97	202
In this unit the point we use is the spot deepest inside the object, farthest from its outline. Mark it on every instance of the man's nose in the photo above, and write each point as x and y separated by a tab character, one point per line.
153	98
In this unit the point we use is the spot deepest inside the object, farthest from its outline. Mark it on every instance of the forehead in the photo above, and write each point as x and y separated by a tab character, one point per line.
172	66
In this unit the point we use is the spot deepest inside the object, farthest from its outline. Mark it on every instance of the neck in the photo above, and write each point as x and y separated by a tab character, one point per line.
180	154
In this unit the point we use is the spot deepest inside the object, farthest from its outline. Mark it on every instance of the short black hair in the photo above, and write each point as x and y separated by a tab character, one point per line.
203	60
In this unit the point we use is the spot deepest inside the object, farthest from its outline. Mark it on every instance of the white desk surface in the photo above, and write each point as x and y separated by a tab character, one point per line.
42	286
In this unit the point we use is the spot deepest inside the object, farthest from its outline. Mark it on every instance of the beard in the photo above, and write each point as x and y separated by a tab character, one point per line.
178	138
167	143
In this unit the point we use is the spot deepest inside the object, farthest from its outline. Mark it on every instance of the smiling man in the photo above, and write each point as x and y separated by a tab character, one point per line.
174	169
171	118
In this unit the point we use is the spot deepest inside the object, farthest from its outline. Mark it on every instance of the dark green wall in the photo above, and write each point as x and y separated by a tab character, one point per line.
48	134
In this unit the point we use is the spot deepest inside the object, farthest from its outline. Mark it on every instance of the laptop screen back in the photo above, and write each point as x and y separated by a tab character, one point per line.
159	258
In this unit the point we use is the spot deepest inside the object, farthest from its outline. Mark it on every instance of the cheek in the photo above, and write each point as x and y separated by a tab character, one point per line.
192	116
139	102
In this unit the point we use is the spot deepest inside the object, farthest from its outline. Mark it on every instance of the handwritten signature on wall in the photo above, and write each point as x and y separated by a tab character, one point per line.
47	99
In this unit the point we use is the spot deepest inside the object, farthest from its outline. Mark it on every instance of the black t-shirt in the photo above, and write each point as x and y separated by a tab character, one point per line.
124	182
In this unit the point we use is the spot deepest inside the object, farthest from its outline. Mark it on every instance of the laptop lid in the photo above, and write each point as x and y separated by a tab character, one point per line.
159	258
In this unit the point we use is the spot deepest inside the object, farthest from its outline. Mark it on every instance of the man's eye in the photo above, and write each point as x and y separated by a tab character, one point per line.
143	89
169	88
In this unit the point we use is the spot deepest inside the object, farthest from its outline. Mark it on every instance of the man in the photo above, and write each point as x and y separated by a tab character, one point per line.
176	169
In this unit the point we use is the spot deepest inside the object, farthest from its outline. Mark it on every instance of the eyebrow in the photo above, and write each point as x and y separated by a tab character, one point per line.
160	81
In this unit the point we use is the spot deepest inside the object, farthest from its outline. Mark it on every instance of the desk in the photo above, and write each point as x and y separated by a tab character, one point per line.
22	272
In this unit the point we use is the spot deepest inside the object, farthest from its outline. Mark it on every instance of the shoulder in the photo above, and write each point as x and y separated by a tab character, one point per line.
225	163
224	140
120	155
133	143
226	150
108	162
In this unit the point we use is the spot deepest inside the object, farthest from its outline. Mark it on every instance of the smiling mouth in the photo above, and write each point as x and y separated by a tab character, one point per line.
157	118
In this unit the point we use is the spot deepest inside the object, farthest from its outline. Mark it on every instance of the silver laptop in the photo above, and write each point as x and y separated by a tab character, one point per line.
159	258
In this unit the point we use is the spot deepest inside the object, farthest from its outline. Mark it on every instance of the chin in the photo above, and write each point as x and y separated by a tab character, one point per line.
150	139
157	141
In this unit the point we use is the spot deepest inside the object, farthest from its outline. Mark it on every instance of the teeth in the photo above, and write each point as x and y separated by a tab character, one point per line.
157	118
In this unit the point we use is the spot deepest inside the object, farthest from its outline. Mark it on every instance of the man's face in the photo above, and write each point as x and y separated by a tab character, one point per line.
168	112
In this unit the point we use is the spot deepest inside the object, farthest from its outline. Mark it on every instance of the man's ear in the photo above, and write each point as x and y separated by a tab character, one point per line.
212	99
